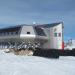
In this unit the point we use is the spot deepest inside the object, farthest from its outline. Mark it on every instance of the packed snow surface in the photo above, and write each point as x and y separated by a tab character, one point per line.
11	64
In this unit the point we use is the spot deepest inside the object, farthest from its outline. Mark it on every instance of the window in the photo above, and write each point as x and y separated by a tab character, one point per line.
55	34
0	34
11	33
7	33
40	31
59	34
16	32
28	32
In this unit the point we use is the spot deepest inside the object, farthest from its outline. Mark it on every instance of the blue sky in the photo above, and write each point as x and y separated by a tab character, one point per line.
14	12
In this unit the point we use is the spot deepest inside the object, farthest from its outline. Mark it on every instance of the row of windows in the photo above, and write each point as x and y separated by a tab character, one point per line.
9	33
57	34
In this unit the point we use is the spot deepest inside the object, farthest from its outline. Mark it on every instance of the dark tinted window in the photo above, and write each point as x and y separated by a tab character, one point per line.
10	31
55	34
40	31
28	32
59	34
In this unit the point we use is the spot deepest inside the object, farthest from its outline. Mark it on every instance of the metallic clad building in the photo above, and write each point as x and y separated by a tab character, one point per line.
48	36
54	33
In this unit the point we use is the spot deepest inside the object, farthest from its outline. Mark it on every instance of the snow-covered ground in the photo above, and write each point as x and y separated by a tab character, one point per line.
11	64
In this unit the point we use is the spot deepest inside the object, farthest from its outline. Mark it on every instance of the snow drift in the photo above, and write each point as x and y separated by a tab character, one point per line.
11	64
